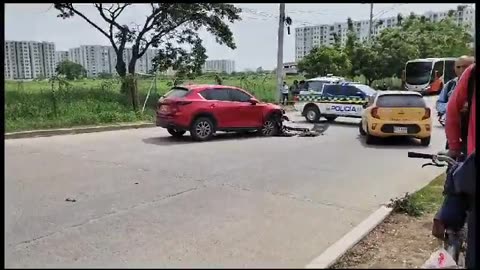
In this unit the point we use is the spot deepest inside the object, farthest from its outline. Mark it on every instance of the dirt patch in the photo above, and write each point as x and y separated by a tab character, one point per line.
401	241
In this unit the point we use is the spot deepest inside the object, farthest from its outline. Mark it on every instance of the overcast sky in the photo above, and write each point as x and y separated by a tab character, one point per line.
255	35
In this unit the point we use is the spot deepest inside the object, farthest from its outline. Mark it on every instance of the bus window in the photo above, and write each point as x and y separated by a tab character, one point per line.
437	70
449	71
418	73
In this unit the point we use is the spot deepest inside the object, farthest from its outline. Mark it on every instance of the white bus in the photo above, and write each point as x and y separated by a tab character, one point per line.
428	75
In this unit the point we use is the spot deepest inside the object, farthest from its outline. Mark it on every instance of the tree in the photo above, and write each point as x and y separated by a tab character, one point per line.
368	61
168	26
71	70
436	39
323	60
350	45
415	38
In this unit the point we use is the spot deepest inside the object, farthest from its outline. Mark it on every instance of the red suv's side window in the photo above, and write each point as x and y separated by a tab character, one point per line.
239	96
216	94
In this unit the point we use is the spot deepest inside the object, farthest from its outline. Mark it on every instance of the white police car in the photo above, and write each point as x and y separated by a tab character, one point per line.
315	85
344	99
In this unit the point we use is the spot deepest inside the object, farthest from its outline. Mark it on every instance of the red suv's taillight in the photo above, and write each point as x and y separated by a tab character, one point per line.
427	114
171	107
175	106
375	113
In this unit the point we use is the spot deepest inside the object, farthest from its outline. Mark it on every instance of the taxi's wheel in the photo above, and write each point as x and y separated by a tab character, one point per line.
360	129
425	141
312	114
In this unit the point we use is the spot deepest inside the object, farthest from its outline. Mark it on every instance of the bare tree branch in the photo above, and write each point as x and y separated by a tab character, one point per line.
89	21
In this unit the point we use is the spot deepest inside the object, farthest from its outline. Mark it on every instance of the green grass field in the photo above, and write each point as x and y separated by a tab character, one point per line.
33	105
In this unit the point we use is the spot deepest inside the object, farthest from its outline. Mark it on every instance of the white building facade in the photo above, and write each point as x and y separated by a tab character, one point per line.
61	56
29	60
219	66
306	38
98	59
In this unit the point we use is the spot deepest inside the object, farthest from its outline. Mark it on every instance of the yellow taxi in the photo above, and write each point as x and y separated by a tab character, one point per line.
396	113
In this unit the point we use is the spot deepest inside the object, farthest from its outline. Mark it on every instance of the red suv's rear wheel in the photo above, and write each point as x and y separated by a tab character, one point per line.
202	129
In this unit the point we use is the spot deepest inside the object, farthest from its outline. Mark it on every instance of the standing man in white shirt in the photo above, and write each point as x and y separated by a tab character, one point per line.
285	91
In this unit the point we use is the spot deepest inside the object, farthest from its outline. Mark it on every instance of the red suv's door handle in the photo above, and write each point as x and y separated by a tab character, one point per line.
212	105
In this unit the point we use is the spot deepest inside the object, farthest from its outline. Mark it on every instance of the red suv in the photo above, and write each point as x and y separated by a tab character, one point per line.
205	109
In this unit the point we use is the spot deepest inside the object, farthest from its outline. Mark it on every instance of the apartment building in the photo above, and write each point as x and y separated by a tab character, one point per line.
61	56
11	64
219	66
98	59
74	55
306	38
48	57
29	60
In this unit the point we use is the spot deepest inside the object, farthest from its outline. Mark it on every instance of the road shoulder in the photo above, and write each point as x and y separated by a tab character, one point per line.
76	130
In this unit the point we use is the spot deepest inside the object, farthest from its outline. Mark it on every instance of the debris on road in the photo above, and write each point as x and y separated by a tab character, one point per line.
316	130
70	200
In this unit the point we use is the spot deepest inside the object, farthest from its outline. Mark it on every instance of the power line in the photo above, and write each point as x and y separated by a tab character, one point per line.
383	12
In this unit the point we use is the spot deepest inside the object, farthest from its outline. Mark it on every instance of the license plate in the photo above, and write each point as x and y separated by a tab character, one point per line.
400	130
163	108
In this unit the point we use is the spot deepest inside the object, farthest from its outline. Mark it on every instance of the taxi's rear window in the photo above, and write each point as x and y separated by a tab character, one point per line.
405	101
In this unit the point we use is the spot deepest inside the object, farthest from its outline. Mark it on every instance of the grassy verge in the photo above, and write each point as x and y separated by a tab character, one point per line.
403	239
424	201
39	105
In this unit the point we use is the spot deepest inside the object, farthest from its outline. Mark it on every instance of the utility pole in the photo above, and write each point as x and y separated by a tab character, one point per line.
371	22
281	25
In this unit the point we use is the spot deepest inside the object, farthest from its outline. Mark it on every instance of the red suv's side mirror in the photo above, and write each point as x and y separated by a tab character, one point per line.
253	101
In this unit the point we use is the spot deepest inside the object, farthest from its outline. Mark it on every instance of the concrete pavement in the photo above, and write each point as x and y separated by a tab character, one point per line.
144	199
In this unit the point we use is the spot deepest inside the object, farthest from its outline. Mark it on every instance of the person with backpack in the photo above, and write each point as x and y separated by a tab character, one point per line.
460	128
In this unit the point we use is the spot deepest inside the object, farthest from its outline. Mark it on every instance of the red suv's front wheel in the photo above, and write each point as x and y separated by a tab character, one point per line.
270	127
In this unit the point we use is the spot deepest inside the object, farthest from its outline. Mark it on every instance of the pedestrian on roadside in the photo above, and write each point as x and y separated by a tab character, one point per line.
284	93
301	86
294	89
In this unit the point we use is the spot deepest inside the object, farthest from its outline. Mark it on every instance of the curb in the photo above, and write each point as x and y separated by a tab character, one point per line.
339	248
78	130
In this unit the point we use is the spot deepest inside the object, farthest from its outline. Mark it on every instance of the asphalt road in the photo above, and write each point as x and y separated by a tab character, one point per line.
143	199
